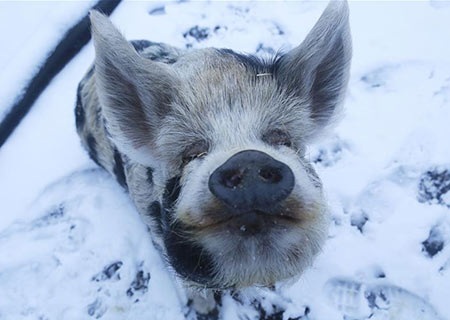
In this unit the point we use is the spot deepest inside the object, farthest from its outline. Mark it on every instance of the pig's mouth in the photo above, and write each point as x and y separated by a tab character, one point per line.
217	217
249	223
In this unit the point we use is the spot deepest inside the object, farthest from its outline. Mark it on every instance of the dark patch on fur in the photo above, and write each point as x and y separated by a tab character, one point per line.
253	63
158	53
212	315
433	185
218	297
80	116
119	169
165	57
150	175
92	148
154	211
434	243
108	272
139	284
98	116
188	259
171	192
105	127
140	45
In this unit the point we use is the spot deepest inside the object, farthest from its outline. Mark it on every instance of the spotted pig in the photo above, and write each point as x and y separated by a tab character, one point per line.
210	145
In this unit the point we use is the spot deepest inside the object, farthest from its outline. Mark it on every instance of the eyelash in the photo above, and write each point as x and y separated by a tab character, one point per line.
196	151
187	159
278	137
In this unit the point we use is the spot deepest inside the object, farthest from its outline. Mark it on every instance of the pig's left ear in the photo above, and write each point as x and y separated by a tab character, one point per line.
318	69
135	93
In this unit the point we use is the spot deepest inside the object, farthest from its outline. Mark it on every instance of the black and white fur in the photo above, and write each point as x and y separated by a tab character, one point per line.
163	119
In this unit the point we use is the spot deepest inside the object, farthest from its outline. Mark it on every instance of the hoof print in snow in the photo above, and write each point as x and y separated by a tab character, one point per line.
278	315
377	78
109	272
434	187
53	216
379	273
96	309
157	11
219	28
57	212
197	33
358	300
261	48
359	220
139	284
277	30
329	154
434	243
445	267
373	80
273	312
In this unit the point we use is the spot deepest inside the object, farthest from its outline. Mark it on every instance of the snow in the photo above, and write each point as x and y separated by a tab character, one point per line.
37	28
73	246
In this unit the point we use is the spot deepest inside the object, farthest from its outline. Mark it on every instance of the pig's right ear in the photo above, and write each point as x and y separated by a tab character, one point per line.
135	93
317	71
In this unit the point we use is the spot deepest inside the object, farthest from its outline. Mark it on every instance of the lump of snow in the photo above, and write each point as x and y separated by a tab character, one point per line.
359	220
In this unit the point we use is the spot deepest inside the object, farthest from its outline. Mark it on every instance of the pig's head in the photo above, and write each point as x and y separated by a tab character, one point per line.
239	204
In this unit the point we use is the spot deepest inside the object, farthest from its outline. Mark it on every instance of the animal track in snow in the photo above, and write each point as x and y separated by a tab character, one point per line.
361	301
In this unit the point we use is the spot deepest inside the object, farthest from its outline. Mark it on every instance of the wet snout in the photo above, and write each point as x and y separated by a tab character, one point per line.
251	180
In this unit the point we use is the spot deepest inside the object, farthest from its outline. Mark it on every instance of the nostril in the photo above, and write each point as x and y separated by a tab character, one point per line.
270	174
251	180
232	178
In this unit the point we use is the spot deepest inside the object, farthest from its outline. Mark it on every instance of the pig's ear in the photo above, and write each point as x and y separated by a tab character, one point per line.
318	69
135	93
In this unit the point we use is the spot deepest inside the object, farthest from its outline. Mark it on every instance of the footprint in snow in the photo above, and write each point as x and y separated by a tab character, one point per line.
362	301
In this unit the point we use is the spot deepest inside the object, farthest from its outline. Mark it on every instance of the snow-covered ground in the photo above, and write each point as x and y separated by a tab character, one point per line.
72	246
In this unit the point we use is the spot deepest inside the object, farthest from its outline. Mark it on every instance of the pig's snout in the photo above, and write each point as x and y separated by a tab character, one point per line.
251	180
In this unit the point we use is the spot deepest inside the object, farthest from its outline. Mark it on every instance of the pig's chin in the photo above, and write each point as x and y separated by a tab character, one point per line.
248	248
256	251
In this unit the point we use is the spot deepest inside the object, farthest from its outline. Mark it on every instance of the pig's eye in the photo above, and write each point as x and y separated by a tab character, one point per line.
277	137
195	151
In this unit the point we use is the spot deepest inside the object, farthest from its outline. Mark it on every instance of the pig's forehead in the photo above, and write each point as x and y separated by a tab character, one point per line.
211	79
219	118
225	100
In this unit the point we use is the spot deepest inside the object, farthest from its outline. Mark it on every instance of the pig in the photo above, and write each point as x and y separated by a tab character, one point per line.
210	144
